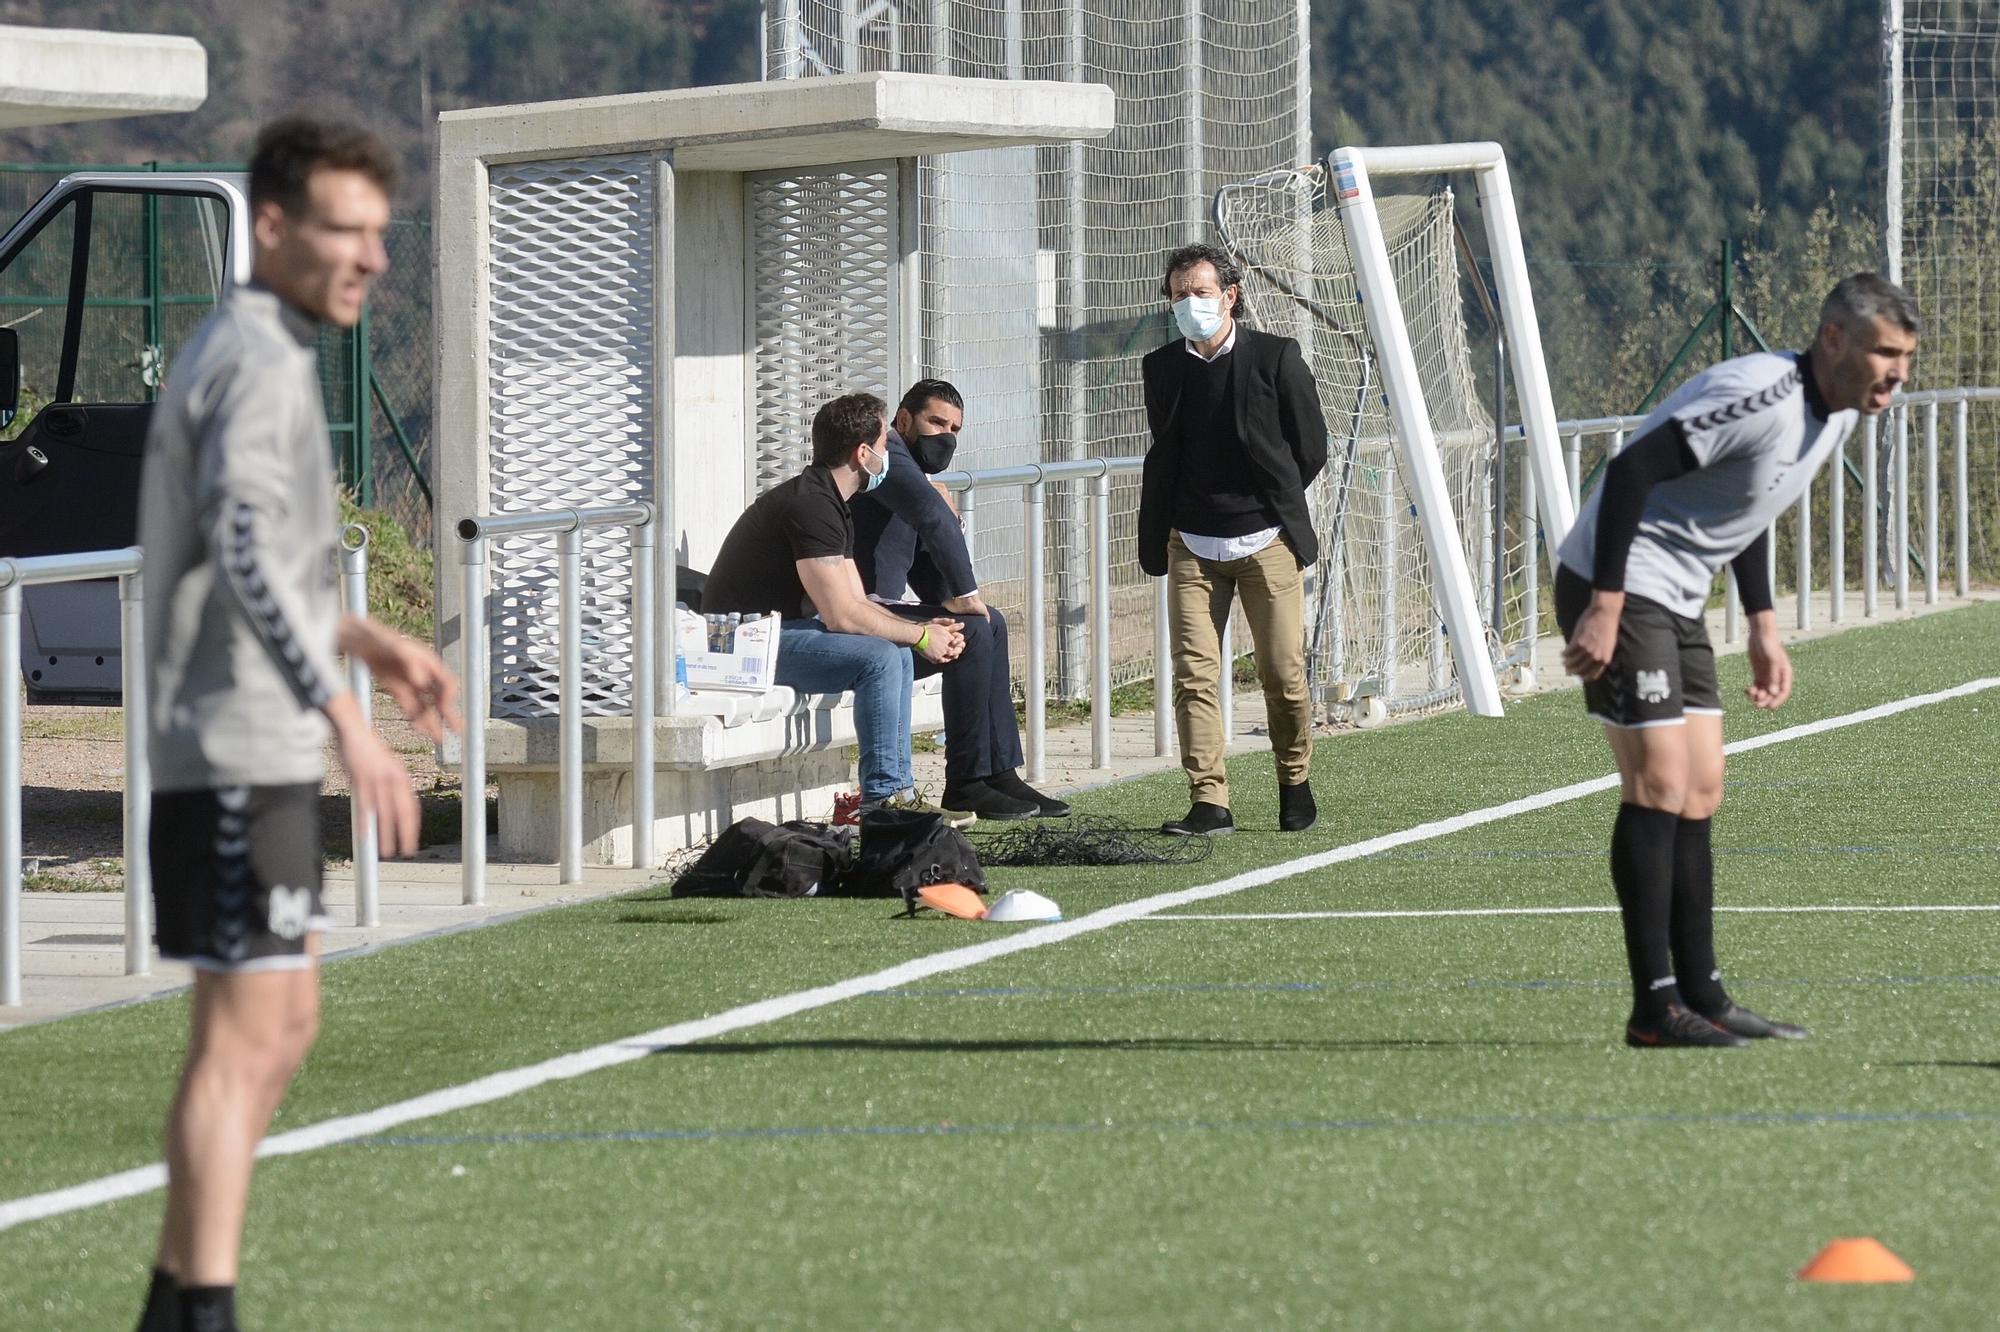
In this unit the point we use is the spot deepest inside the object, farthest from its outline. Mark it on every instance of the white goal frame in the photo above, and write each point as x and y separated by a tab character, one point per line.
1349	170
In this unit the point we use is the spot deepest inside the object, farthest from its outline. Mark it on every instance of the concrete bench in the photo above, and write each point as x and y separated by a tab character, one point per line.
721	758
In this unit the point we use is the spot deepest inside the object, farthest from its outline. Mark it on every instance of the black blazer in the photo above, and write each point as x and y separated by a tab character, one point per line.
1278	417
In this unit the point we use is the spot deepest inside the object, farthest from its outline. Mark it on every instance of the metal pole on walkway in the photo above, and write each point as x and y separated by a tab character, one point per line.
1961	501
138	777
473	692
1036	520
1871	521
10	794
1931	502
645	537
354	592
1100	621
1901	517
1163	671
1836	536
569	613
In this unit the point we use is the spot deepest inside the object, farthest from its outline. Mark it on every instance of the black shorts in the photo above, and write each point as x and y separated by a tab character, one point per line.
236	876
1663	670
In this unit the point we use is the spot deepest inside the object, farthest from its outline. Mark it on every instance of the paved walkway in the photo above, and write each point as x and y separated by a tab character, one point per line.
73	943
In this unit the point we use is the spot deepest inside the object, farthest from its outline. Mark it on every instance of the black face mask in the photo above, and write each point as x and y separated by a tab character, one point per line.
932	452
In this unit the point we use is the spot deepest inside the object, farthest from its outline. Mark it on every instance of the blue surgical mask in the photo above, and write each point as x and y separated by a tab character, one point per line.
1199	318
875	478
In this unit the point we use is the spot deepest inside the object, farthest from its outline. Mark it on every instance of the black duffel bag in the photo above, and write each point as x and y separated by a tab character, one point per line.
753	858
903	850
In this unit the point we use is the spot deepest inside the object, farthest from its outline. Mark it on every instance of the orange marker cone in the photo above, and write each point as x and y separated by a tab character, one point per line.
1856	1260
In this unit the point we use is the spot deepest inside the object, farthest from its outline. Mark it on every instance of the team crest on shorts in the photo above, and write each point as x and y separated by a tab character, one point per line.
1652	686
290	911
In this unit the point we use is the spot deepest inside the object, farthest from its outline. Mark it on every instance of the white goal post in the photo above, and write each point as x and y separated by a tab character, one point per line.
1350	170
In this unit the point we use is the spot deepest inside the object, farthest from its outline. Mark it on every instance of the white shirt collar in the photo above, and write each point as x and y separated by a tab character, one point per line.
1228	346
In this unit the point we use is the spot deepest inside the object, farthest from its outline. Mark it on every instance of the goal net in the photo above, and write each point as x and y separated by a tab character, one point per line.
1374	621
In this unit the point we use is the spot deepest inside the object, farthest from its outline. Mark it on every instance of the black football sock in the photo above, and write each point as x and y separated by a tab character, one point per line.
208	1309
163	1304
1692	922
1642	870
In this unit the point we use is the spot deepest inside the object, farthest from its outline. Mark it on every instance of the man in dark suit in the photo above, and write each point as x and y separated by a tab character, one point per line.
1237	437
911	552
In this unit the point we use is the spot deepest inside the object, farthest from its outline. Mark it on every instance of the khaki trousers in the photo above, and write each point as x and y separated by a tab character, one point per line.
1199	592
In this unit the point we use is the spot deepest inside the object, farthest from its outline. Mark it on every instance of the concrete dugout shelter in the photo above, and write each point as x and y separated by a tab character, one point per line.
646	297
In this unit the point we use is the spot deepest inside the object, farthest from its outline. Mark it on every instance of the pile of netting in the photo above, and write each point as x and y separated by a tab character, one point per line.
1088	841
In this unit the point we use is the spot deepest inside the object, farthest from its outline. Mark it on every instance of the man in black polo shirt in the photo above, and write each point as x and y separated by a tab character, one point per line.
793	552
1237	437
913	560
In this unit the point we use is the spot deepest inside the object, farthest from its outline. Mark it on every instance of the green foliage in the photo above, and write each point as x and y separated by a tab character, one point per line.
401	593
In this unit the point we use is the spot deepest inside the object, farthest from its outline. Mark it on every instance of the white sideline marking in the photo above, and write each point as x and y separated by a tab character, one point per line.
1549	911
498	1086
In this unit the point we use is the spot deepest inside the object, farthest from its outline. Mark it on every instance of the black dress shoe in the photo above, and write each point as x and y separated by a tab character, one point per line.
1009	783
1201	817
981	799
1296	808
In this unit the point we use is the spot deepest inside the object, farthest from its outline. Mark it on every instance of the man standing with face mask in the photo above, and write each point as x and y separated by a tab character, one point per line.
913	560
1238	435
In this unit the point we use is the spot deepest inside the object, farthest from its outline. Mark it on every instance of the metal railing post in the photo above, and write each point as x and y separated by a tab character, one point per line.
1163	673
354	592
1573	465
1531	562
1100	621
473	691
138	775
1226	686
645	537
1961	501
1036	519
10	794
1901	550
1732	607
1871	520
569	635
1931	502
1802	559
1836	536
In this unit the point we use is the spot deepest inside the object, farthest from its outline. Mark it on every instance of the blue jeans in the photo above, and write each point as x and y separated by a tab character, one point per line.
813	659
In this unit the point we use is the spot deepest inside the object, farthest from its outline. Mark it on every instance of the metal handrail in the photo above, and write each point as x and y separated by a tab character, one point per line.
126	566
569	525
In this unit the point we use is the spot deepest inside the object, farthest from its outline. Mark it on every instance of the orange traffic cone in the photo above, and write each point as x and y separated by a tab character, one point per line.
1855	1260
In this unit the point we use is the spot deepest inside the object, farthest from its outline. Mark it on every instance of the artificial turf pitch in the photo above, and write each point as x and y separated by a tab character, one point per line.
1174	1122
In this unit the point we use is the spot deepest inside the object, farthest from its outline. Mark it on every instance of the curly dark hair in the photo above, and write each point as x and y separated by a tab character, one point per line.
844	425
1226	272
289	150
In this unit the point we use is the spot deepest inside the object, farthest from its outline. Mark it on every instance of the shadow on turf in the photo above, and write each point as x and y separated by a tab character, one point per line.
1993	1065
1139	1044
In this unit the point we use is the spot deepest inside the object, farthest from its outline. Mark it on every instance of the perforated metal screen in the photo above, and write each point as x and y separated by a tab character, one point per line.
571	392
824	302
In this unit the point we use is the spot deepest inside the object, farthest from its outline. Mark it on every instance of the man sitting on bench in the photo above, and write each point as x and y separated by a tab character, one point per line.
911	551
793	551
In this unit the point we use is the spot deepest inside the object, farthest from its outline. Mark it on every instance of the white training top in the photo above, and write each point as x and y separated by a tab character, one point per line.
1758	430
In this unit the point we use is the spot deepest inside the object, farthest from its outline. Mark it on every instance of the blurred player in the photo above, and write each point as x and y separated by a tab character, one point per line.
1699	487
237	518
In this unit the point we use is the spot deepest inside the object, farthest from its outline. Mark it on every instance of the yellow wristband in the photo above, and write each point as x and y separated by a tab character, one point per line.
923	640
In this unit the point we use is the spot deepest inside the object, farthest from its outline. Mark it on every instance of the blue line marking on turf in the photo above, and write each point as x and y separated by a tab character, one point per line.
1772	1119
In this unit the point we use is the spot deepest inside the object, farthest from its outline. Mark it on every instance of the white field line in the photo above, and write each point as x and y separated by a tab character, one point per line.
1863	910
512	1082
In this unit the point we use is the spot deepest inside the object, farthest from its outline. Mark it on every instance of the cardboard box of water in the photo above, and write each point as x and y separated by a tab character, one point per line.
747	659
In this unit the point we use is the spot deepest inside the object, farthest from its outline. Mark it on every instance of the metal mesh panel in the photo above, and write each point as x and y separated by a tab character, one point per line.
571	375
823	302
